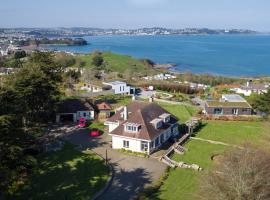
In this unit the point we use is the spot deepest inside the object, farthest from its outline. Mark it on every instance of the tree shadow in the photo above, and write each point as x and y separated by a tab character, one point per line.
66	174
127	184
82	139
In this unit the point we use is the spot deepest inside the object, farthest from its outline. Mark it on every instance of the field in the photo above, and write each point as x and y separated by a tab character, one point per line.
118	63
65	174
183	183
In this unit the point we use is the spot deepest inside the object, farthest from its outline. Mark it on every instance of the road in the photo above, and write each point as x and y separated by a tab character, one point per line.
132	173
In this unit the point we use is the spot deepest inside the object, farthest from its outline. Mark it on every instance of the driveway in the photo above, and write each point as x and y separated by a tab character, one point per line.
132	173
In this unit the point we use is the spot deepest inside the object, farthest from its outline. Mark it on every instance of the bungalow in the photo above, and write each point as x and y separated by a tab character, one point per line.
141	127
74	109
91	87
120	87
231	104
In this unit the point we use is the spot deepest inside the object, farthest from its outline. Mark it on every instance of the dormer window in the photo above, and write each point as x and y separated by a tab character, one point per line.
132	127
157	122
165	117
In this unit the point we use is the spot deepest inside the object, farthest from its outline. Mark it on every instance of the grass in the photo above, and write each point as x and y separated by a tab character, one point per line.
235	132
183	183
118	63
183	112
180	184
199	152
65	174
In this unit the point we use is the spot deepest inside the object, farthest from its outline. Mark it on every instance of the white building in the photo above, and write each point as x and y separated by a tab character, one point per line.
141	127
72	110
251	88
91	88
119	87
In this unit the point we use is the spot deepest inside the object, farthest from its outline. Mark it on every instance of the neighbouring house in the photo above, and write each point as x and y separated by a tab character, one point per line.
229	104
73	109
141	127
91	87
104	110
251	88
120	87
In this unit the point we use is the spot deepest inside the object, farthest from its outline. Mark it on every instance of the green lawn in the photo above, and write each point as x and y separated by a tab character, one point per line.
199	152
65	174
183	112
234	132
183	183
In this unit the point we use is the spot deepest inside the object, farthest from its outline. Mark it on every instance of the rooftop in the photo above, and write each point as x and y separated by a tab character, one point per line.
233	98
228	104
144	114
115	83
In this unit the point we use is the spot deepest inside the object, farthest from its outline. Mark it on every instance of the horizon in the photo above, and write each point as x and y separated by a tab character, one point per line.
134	14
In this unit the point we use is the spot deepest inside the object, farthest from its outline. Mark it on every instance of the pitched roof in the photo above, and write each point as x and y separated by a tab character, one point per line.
74	105
233	98
228	104
142	113
104	106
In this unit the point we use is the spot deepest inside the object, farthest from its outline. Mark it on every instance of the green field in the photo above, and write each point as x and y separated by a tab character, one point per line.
65	174
182	184
235	132
118	63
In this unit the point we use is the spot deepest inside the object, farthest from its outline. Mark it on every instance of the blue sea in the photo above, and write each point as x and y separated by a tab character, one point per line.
230	55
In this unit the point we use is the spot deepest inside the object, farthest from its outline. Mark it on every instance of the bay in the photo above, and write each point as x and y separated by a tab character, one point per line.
229	55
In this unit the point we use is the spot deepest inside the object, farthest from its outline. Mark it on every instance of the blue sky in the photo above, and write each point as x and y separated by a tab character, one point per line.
250	14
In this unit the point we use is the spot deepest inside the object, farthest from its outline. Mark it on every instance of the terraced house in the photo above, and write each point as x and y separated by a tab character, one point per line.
141	127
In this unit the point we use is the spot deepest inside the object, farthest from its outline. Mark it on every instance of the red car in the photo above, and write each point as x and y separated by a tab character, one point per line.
94	133
82	123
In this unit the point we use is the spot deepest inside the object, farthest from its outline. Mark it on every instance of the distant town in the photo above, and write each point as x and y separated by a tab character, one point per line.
81	31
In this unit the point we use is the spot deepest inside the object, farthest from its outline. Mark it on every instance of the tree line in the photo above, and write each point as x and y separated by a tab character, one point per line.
27	100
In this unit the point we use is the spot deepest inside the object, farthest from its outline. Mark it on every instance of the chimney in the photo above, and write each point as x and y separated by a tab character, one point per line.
125	114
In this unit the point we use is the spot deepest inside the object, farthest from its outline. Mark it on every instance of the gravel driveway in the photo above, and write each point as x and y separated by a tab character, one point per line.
132	173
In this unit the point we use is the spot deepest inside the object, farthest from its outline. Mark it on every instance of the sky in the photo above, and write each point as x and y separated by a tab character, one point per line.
246	14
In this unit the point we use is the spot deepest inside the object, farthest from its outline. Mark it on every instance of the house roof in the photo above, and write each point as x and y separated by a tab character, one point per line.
74	105
219	104
141	113
104	106
233	98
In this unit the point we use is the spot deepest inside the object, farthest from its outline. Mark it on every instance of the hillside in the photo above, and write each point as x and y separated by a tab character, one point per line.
118	63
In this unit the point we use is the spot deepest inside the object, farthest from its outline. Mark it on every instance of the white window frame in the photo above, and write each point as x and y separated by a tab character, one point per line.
125	144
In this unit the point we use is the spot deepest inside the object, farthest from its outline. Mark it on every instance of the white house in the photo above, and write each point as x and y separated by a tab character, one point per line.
74	109
251	88
119	87
141	127
91	88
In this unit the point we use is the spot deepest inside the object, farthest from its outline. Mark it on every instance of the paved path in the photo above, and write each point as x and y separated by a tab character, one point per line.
214	142
132	173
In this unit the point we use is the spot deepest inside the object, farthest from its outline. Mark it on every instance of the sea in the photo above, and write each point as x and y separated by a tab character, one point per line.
227	55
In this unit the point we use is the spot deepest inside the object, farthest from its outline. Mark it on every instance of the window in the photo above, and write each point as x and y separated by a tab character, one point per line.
125	144
144	146
84	114
156	141
235	111
244	110
218	111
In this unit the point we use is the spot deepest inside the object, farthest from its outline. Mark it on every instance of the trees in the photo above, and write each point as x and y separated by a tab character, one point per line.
27	98
241	174
97	59
19	54
262	102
